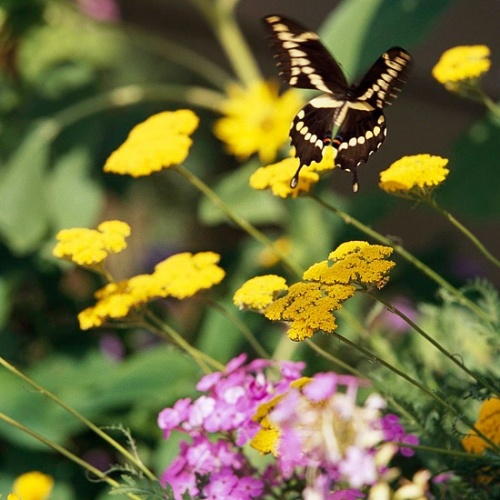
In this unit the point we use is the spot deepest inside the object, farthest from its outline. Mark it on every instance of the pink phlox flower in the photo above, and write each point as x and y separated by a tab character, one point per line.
247	488
358	467
208	381
170	418
321	387
393	430
221	485
178	475
199	411
246	432
235	363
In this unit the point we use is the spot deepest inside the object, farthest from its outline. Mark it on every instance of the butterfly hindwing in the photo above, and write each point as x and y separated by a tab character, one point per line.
360	135
302	59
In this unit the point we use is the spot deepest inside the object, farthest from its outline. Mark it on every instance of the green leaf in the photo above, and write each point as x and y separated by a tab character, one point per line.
357	32
94	385
470	187
257	207
23	207
74	199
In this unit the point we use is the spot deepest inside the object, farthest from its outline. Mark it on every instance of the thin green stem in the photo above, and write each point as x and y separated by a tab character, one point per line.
418	385
330	357
436	344
182	56
167	332
239	221
79	417
441	451
221	17
129	95
242	327
406	255
64	452
468	234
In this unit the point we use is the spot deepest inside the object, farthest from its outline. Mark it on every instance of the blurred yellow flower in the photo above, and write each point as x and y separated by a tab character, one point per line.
32	486
417	173
257	293
277	176
268	258
185	274
460	64
87	247
488	423
157	143
180	276
257	119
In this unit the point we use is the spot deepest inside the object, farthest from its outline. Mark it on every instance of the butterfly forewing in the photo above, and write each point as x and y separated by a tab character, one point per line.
383	81
355	111
302	60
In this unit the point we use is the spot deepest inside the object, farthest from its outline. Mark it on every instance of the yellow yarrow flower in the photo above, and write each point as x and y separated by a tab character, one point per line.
277	176
267	256
185	274
180	276
354	262
257	119
257	293
488	423
414	175
87	247
461	64
32	486
157	143
308	307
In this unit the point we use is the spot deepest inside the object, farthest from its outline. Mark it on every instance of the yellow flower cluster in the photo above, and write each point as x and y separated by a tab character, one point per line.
257	119
354	262
179	276
488	423
416	174
257	293
277	176
157	143
460	64
32	486
87	247
309	304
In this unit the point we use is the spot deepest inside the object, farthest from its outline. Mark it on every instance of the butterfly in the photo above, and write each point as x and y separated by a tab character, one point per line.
354	110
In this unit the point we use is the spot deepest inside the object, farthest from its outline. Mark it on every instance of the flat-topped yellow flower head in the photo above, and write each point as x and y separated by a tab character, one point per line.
414	176
87	247
159	142
259	292
179	276
462	65
277	177
256	119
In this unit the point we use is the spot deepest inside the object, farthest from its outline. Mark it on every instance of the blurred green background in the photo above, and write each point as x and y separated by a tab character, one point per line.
61	64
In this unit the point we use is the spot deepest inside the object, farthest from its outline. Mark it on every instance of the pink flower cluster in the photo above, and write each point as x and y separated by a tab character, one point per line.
322	430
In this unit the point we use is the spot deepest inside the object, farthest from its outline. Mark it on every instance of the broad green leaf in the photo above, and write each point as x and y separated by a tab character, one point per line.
257	207
472	184
358	31
94	385
23	207
74	199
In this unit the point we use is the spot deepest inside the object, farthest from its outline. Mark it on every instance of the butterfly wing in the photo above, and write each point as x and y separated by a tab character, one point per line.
360	135
302	59
383	81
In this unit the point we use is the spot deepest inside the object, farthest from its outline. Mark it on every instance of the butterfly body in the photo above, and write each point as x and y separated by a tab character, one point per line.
354	111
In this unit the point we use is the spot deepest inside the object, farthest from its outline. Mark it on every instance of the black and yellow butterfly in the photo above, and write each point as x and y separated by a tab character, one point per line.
354	110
